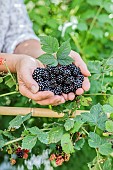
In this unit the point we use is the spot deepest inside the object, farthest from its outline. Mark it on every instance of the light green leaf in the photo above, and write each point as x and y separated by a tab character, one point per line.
94	66
2	141
105	149
94	140
109	126
85	101
97	33
65	60
48	59
95	2
66	144
77	126
16	122
49	44
79	144
1	79
82	26
42	136
26	117
96	117
111	100
64	49
29	142
107	108
10	83
107	163
55	134
69	124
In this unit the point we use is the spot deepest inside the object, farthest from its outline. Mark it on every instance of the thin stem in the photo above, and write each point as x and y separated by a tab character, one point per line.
6	94
92	24
95	129
98	159
85	130
10	73
97	94
13	141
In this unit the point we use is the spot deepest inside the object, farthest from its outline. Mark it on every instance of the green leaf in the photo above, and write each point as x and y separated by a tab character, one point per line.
96	117
49	44
65	60
55	134
110	100
107	108
42	136
95	2
1	79
26	117
2	141
85	101
29	142
63	52
77	126
107	163
94	164
16	122
69	124
67	144
94	66
79	144
82	26
105	149
109	126
97	33
10	83
48	59
95	140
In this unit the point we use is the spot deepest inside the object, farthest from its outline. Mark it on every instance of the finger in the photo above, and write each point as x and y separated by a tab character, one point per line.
65	96
56	100
37	96
79	91
71	96
80	63
86	84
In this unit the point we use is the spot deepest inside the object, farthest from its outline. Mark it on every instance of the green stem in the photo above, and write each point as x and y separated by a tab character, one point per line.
13	141
92	24
97	94
98	159
85	130
6	94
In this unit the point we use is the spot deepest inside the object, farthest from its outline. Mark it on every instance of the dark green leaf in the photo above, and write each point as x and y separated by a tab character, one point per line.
16	122
77	126
49	44
105	149
107	163
2	141
10	83
48	59
65	60
26	117
1	79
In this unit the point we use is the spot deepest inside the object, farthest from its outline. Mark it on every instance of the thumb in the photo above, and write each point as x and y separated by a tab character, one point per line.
30	83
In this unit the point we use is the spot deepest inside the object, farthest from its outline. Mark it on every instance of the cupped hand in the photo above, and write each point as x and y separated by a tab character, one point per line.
28	86
84	70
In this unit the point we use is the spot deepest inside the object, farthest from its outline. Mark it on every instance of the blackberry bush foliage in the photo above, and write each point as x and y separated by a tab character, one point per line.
65	136
60	75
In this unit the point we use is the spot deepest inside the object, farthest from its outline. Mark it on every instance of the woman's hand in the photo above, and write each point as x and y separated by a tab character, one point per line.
86	84
28	86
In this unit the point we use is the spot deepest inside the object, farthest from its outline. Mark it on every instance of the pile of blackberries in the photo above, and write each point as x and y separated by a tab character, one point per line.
59	79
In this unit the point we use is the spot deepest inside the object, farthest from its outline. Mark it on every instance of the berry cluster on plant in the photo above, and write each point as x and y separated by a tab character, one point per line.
62	79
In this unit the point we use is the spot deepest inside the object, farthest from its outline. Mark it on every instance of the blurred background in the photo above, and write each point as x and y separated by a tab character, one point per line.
89	26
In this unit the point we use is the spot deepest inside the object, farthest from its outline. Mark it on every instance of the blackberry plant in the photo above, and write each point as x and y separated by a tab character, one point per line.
62	75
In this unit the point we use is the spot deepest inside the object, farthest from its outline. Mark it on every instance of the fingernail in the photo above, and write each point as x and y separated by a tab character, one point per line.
34	89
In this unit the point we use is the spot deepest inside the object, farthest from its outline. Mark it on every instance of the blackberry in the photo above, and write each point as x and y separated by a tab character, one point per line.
76	71
62	69
69	80
71	67
52	76
66	89
52	83
59	79
67	73
80	77
78	84
19	153
58	90
56	70
46	75
41	86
